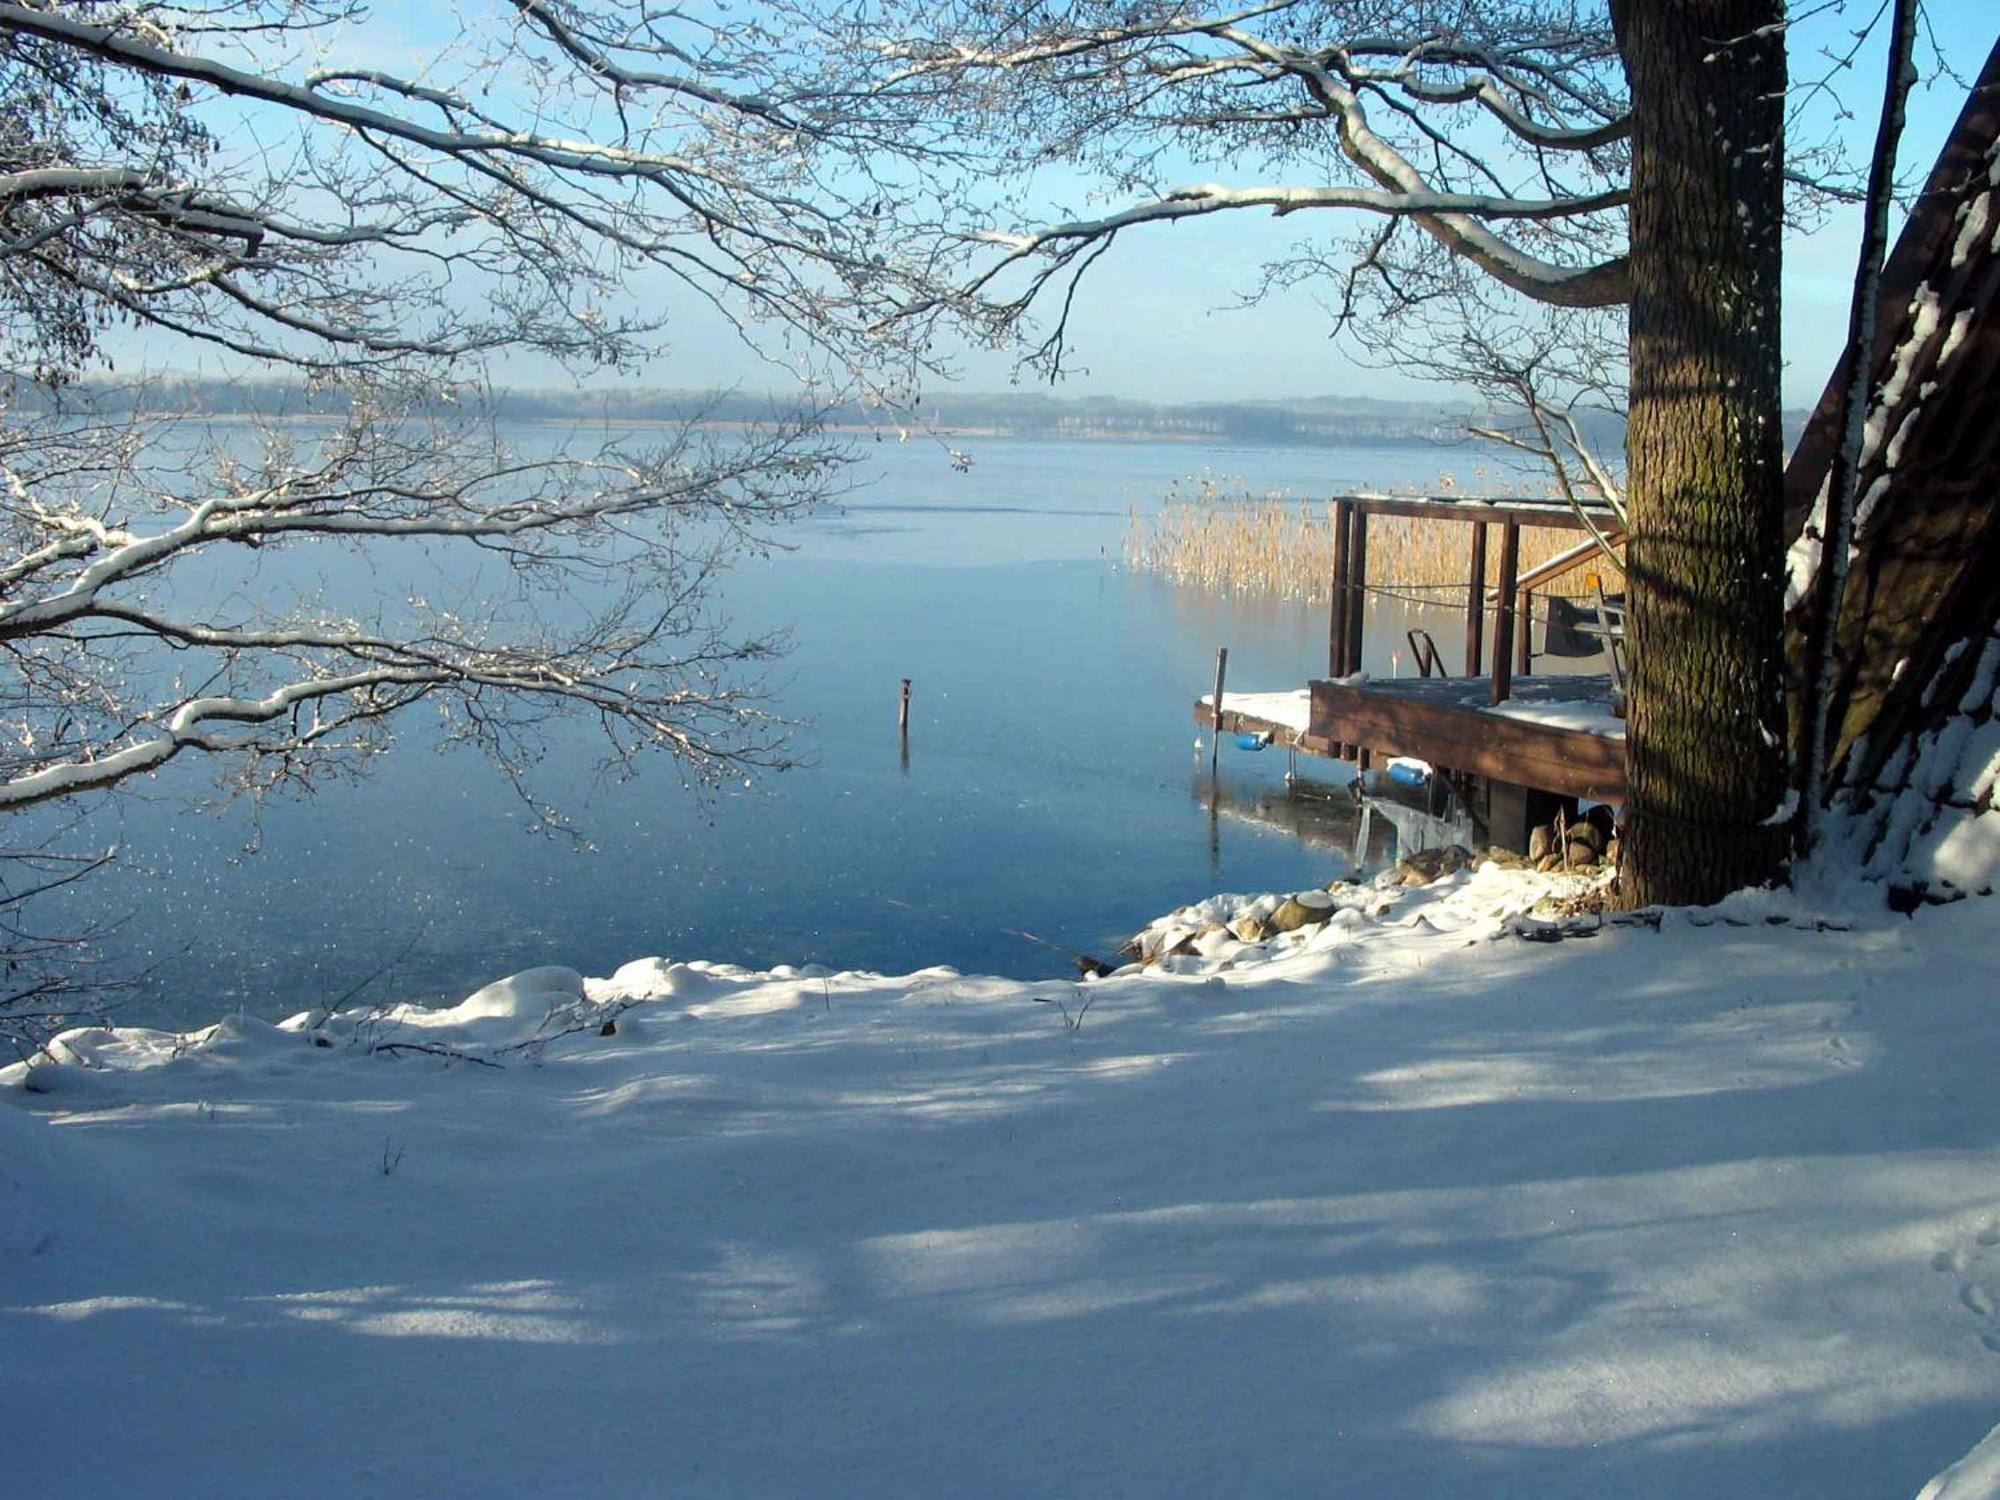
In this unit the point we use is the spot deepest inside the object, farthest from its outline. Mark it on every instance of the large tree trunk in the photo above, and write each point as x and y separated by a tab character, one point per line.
1705	734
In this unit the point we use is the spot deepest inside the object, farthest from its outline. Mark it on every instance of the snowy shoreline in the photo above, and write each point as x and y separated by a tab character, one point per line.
1400	1204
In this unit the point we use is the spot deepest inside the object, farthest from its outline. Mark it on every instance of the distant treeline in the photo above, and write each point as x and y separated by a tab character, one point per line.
1310	421
1322	420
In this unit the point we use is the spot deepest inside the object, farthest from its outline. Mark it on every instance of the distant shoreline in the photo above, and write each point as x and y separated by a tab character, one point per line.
891	433
1301	422
1307	422
1366	435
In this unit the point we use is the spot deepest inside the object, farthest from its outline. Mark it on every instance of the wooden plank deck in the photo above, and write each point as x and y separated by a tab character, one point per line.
1451	722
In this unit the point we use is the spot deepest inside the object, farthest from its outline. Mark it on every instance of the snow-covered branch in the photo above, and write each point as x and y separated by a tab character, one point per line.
60	182
503	193
114	45
264	178
1498	134
1209	197
1452	216
1463	231
572	585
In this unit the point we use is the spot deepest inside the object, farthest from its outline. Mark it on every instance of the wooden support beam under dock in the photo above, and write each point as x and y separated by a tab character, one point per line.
1556	733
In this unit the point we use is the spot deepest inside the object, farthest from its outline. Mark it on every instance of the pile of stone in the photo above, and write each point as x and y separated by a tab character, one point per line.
1427	865
1581	844
1212	932
1584	847
1224	926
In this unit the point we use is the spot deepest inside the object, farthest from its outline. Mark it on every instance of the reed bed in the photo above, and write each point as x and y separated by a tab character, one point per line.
1277	547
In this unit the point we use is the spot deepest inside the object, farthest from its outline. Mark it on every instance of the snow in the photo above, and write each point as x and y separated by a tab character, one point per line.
1979	695
32	1180
1981	762
1785	811
1938	769
1881	448
1925	309
1960	851
1395	1205
1802	557
1924	312
1288	710
1972	228
1591	715
1955	336
1928	820
1972	217
1974	1477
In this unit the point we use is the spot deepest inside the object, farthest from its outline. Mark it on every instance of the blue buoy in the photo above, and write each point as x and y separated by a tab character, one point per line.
1253	741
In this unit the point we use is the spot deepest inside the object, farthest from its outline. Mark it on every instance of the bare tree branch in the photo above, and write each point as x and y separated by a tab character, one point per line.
251	177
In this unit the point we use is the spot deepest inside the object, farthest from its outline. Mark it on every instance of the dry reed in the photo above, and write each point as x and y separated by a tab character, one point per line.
1274	546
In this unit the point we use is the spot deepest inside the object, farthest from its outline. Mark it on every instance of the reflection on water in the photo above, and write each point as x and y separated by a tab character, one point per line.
1318	814
1363	832
1409	819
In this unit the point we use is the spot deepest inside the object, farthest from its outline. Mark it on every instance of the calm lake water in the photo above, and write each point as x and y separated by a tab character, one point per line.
1052	785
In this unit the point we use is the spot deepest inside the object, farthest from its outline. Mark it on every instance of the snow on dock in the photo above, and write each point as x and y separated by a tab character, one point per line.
1289	711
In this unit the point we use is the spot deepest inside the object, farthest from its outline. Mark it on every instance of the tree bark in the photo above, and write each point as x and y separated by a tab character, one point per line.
1705	732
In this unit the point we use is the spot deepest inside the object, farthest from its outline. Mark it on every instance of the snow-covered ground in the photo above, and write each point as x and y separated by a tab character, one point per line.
1402	1205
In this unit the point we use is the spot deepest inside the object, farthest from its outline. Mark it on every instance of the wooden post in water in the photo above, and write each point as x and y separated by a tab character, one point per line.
1336	638
903	730
1336	625
1215	713
1475	604
1357	591
1503	628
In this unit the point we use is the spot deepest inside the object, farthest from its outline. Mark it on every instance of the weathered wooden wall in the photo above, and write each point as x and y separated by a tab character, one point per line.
1927	546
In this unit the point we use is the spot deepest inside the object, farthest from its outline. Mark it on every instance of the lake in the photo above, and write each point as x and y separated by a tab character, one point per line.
1052	790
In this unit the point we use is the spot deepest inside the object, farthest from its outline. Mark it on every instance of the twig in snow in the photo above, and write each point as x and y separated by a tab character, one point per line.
433	1049
1071	1023
328	1011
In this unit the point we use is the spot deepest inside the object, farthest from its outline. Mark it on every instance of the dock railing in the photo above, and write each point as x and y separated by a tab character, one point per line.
1511	599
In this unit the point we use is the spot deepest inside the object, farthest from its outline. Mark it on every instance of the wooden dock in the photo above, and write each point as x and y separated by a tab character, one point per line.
1518	743
1556	734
